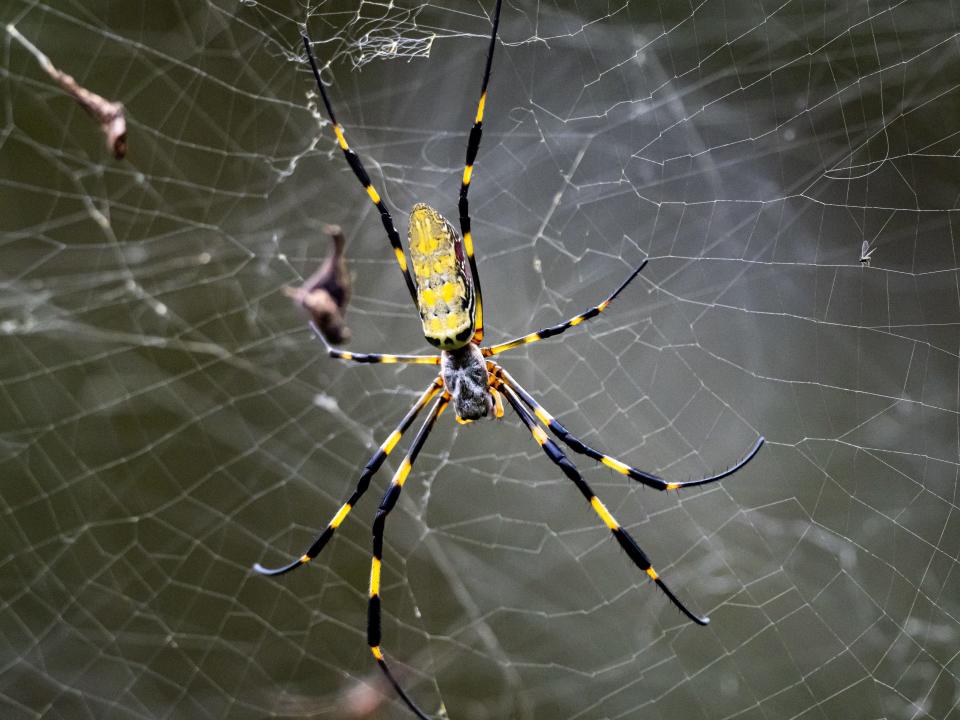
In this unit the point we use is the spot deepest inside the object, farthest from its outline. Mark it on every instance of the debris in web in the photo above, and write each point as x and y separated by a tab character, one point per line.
325	294
109	114
391	46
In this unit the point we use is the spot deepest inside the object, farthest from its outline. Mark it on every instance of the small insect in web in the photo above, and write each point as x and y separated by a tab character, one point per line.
865	252
447	295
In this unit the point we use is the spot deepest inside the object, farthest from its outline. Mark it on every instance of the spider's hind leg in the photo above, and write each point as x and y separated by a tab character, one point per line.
376	358
624	539
387	504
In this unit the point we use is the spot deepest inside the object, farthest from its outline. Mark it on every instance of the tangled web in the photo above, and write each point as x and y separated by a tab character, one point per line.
169	420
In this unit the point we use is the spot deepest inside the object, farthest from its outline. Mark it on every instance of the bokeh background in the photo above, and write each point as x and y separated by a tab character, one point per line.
168	419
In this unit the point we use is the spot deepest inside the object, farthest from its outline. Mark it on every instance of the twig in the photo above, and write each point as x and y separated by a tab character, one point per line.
110	115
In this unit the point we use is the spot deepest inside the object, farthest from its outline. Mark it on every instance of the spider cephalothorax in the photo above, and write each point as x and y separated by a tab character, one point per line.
450	303
465	379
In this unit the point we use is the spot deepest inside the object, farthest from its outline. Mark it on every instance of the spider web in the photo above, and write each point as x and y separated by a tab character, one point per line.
169	420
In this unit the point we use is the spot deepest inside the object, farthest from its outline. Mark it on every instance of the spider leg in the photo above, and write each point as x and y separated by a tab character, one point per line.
578	445
473	146
373	464
497	403
373	357
564	326
629	545
357	166
387	504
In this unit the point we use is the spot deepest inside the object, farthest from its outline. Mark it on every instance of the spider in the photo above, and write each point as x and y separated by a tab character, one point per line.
451	310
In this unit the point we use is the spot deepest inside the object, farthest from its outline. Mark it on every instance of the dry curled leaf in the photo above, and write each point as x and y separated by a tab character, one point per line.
325	294
110	115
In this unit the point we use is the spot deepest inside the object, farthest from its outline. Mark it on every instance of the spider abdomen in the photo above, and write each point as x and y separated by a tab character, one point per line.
465	377
445	296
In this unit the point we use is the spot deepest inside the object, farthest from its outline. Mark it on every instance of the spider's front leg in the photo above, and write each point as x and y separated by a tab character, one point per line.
369	470
384	358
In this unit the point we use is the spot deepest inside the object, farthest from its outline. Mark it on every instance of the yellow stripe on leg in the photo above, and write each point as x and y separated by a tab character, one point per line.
401	258
467	172
478	318
539	435
480	106
401	475
542	415
341	514
652	573
604	514
616	465
374	195
468	243
375	577
340	137
376	653
391	442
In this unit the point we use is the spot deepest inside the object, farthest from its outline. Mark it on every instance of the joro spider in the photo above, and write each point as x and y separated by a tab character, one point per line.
451	309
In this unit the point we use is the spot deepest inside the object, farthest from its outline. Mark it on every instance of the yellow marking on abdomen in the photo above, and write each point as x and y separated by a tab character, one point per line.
616	465
341	514
375	577
604	514
444	295
449	292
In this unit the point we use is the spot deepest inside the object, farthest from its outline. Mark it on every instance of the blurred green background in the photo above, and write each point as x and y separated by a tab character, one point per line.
168	419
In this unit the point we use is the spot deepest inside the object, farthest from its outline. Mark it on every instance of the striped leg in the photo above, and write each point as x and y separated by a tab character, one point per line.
373	357
354	161
564	326
473	146
379	523
578	446
628	544
373	464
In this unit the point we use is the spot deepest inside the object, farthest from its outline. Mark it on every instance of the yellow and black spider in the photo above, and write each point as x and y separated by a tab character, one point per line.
451	309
